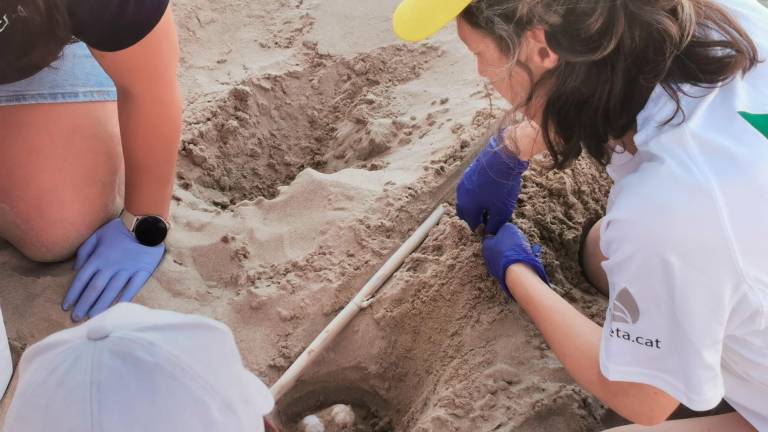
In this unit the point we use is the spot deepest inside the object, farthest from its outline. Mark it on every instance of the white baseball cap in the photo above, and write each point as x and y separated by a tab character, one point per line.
135	369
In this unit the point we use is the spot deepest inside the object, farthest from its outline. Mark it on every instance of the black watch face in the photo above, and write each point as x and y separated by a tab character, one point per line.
150	231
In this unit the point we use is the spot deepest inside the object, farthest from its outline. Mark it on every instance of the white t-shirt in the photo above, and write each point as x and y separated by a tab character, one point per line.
686	236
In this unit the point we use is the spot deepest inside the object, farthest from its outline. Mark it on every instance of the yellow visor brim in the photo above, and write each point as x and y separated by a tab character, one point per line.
415	20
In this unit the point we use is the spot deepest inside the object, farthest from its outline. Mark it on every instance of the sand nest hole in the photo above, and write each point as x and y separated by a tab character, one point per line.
334	114
336	402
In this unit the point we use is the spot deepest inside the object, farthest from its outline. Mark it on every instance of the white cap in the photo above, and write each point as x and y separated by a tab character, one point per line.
134	369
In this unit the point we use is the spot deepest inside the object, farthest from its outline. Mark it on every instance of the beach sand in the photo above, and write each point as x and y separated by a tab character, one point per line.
314	143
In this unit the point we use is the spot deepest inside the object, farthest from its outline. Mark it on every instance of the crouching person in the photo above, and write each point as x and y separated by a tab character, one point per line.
138	369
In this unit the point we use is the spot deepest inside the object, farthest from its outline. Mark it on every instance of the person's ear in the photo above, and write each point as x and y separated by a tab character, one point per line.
540	57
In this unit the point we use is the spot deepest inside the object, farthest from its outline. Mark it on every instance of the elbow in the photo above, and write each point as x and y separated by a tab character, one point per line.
647	408
163	90
650	419
652	415
162	98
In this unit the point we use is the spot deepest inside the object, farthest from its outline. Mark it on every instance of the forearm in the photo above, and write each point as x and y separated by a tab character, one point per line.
150	125
575	340
149	106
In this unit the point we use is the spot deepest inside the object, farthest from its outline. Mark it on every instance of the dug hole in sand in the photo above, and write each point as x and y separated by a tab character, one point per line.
314	144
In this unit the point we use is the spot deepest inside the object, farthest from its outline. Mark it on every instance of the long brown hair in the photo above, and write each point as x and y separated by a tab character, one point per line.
33	36
612	54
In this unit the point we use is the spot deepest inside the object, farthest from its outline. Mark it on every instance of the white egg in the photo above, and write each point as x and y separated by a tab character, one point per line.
311	423
343	415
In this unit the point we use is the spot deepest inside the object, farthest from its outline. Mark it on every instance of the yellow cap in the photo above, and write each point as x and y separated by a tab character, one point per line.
415	20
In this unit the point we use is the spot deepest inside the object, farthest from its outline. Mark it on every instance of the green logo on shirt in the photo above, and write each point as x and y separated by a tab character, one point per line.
758	121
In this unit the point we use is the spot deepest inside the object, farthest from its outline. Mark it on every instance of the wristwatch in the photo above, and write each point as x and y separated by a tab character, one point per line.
148	230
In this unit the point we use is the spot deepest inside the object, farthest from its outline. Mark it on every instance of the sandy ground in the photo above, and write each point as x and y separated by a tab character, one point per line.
314	144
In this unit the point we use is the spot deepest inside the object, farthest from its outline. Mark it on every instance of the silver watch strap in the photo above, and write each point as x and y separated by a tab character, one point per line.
130	220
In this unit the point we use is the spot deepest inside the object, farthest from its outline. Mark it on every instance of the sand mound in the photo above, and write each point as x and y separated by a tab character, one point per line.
331	115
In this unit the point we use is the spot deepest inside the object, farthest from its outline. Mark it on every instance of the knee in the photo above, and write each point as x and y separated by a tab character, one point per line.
46	245
54	236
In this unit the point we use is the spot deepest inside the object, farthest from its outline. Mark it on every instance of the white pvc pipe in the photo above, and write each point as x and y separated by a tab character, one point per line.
6	364
359	302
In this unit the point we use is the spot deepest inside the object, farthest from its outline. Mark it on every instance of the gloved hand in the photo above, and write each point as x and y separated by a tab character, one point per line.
490	187
111	265
510	246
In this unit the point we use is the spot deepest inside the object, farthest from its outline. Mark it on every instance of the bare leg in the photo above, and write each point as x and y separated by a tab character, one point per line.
592	258
61	171
731	422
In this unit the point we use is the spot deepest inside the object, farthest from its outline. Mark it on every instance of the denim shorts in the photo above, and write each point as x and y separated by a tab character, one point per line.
74	77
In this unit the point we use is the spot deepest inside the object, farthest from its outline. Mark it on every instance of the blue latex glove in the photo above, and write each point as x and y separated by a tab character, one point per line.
510	246
489	187
111	265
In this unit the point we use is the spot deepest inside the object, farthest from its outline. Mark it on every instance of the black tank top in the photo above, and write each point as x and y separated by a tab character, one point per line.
114	25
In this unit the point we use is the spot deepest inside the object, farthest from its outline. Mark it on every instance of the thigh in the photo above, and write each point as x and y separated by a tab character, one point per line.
60	175
592	259
731	422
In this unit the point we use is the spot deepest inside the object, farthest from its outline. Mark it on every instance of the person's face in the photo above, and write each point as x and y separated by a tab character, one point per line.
494	65
512	81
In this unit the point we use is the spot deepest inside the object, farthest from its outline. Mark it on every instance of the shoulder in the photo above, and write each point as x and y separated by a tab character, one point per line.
663	211
666	243
113	25
663	191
